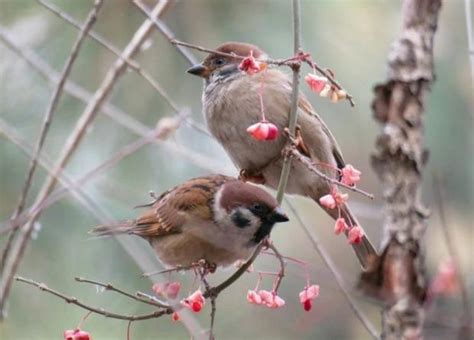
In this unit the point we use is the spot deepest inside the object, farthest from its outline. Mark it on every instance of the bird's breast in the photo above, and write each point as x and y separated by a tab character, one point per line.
230	107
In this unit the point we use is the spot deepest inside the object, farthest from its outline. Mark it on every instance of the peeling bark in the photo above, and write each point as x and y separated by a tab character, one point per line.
398	275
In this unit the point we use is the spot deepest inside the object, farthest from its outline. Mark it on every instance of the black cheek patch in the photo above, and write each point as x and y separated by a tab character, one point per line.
263	231
240	220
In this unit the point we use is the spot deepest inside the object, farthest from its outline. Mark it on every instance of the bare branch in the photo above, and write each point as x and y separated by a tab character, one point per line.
335	272
96	310
293	152
109	286
281	272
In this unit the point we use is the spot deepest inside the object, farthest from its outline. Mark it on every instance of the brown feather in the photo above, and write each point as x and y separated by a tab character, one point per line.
172	209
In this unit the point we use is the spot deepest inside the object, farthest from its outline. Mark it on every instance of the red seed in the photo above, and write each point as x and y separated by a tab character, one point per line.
307	305
196	307
175	316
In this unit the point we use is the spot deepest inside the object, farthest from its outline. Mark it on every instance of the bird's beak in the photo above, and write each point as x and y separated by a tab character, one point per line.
199	70
278	215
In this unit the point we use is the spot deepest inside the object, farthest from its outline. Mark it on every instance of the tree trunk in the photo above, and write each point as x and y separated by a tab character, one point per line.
397	276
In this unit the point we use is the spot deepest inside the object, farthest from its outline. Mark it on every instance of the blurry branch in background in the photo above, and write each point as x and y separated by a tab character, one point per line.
133	64
72	88
465	329
317	245
46	163
120	117
6	275
398	275
163	29
470	35
71	186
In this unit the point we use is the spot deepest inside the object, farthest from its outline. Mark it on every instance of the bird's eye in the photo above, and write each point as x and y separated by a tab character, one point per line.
219	61
257	207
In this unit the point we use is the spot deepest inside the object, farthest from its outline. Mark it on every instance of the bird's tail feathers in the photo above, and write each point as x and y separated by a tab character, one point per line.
120	227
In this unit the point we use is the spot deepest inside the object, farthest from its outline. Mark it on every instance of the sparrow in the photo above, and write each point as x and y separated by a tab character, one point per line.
231	104
218	219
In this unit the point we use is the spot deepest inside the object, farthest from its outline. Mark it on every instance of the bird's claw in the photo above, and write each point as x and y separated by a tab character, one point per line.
246	175
206	266
297	140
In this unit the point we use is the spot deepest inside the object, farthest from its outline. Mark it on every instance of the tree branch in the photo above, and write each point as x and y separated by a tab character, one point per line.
100	311
398	276
293	152
136	297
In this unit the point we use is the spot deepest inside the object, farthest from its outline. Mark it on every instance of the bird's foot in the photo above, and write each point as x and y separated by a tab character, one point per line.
267	243
246	175
206	267
297	141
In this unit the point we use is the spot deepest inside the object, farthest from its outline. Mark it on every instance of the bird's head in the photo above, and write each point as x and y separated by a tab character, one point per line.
218	65
247	209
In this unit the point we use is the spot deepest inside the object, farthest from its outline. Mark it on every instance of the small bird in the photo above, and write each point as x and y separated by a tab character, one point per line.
218	219
231	103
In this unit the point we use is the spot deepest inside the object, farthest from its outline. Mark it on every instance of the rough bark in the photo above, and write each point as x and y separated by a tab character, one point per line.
398	275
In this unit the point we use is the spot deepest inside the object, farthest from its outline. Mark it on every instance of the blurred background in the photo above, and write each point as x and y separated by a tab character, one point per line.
351	37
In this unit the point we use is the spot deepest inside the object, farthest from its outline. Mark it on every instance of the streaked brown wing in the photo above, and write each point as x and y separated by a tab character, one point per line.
306	107
191	200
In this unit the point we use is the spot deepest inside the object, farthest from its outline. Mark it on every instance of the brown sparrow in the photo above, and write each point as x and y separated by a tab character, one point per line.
216	218
231	103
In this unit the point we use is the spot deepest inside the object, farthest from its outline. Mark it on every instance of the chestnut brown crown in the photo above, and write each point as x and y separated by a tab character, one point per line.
215	62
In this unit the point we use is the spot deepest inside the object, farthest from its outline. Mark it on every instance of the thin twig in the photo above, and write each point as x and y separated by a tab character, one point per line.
161	26
129	324
19	245
169	270
96	310
238	273
150	298
285	172
212	297
291	150
335	272
109	286
281	272
470	35
331	79
454	255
